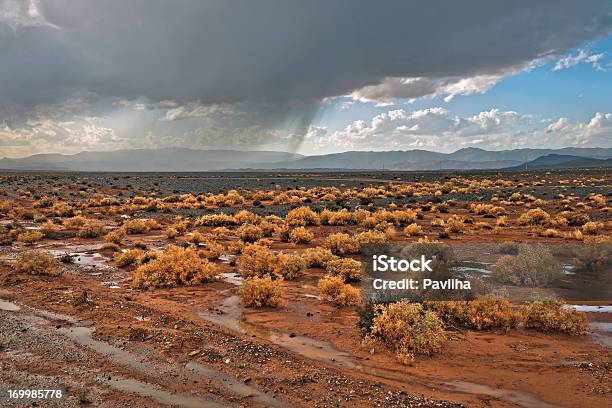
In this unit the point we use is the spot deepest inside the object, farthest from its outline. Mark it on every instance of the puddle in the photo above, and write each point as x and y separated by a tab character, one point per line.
82	336
520	398
311	296
111	285
472	267
568	269
228	315
143	389
602	333
233	277
94	260
590	308
8	306
237	387
468	269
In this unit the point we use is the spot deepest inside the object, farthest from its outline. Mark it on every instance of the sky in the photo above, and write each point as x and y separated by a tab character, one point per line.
312	77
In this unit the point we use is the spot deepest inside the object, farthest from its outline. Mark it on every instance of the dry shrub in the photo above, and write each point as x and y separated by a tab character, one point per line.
574	218
91	229
212	249
300	235
217	220
116	237
454	224
534	265
408	329
175	266
247	217
592	227
30	237
413	230
128	257
334	290
171	232
35	262
535	216
371	237
502	221
342	244
552	316
135	226
256	260
51	230
480	314
75	222
318	257
289	266
549	233
262	291
435	250
302	216
197	237
250	233
348	269
593	256
268	228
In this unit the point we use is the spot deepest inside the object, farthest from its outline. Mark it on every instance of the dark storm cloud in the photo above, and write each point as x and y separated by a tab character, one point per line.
272	50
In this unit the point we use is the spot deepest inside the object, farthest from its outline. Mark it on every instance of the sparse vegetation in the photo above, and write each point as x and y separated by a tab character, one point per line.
533	265
36	262
262	291
552	316
333	289
408	329
175	266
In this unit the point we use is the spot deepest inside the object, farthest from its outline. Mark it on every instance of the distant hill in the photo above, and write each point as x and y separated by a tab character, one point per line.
468	158
181	159
169	159
551	161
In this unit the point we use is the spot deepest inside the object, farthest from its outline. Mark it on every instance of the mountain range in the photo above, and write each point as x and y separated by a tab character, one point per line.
183	159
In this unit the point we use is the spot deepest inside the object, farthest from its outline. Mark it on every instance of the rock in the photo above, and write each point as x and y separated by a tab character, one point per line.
194	352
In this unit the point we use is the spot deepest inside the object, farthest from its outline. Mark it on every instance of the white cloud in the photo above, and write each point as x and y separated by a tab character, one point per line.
19	13
582	57
437	129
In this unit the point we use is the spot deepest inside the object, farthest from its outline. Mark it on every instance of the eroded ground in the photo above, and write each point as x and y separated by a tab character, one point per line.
112	345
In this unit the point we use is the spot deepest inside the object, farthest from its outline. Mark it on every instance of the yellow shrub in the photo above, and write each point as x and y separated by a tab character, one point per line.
212	250
592	227
413	230
371	237
535	216
250	233
116	237
318	257
348	269
256	260
50	229
481	314
197	237
128	257
289	266
135	226
333	289
300	235
35	262
552	316
91	229
75	222
259	292
247	217
342	244
30	237
171	232
408	329
217	220
176	266
301	216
